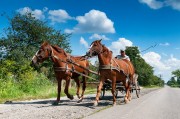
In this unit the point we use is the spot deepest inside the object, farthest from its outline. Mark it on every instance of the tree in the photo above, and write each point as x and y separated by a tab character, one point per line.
176	73
23	38
172	82
26	33
143	69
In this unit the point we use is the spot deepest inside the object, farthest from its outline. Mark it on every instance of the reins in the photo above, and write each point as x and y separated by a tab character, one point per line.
71	69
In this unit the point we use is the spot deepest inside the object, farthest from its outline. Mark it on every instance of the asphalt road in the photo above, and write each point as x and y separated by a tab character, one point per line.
67	109
160	104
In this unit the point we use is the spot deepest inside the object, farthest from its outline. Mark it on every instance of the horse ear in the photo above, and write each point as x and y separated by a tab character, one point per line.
100	40
45	43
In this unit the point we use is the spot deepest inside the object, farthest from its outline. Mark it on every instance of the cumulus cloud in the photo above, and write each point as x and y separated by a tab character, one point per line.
175	4
59	16
155	4
154	59
83	42
163	67
38	14
94	21
152	3
164	44
97	36
120	44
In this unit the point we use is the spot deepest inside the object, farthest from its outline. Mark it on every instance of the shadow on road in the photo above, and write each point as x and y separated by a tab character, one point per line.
87	102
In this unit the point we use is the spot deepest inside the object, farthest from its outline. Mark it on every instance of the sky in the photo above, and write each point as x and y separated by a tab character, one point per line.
119	23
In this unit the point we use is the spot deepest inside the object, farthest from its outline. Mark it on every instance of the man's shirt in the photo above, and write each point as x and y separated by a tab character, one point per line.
121	57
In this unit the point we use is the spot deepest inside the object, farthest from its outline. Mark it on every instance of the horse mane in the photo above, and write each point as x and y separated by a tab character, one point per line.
45	43
105	49
59	50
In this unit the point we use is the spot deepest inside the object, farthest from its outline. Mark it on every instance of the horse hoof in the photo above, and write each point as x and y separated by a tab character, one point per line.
114	104
55	103
95	104
78	96
126	101
80	100
71	97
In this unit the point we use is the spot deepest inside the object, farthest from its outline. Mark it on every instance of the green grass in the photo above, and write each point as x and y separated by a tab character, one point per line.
14	92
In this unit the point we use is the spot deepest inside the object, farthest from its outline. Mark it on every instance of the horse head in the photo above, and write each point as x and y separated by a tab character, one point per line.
95	48
42	54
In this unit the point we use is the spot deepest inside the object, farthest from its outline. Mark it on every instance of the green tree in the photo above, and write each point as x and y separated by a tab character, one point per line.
23	38
176	73
143	69
26	33
172	82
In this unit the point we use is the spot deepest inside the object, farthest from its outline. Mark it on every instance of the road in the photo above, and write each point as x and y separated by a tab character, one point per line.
160	104
152	104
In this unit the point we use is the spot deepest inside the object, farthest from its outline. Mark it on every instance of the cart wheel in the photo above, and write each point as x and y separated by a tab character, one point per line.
102	94
137	88
116	93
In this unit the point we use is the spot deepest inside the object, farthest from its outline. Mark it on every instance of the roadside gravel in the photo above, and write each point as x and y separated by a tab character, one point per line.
67	109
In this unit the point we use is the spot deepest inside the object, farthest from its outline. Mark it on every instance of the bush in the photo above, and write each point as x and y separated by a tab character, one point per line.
16	85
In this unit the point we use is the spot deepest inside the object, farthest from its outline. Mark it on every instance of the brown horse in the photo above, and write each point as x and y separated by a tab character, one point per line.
63	69
113	69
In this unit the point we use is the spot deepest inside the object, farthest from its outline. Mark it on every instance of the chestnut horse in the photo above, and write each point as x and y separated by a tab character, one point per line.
63	69
113	69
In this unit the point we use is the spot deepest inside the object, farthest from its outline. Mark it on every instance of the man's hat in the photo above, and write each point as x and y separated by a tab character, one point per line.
121	50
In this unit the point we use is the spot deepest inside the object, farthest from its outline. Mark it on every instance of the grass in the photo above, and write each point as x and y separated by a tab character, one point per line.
46	91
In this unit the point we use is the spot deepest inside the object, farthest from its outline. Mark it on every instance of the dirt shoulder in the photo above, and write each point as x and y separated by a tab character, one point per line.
67	109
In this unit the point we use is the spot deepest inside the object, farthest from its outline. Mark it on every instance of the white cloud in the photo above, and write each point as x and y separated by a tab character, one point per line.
59	16
97	36
177	48
154	4
83	42
154	59
121	43
94	21
164	44
175	4
38	14
163	67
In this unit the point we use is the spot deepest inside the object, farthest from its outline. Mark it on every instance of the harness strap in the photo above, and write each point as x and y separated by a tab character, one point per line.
111	68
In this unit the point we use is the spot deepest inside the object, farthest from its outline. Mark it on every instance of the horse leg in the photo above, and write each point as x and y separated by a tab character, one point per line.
66	89
127	91
99	91
113	90
78	87
130	84
83	89
59	92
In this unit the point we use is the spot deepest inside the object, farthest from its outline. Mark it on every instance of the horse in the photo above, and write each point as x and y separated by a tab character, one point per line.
111	68
62	68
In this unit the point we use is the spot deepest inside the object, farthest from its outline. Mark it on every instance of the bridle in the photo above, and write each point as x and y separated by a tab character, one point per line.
100	51
50	54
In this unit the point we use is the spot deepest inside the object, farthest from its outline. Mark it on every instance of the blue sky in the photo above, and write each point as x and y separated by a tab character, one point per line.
120	23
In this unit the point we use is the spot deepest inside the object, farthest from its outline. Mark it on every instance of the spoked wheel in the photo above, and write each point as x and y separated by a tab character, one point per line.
116	93
102	94
137	88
